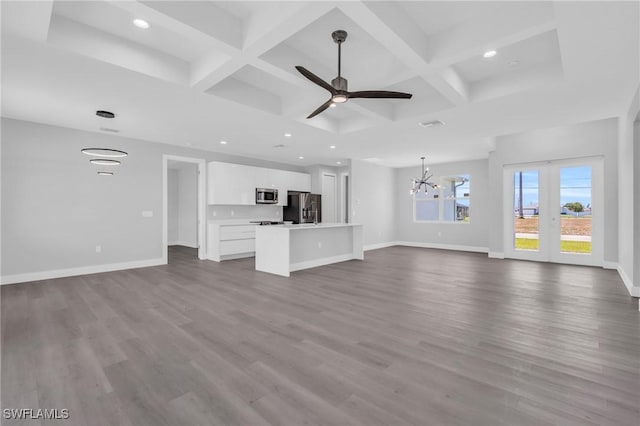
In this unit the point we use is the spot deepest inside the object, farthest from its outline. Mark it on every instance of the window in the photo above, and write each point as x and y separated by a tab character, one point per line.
450	202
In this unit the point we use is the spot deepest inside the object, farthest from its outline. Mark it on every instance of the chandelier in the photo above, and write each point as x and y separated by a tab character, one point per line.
420	185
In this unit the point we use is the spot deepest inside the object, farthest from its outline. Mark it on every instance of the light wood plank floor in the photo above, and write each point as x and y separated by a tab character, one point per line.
408	336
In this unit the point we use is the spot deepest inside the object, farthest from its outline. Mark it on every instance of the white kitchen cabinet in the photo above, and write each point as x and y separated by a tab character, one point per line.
299	182
235	184
232	184
278	179
230	241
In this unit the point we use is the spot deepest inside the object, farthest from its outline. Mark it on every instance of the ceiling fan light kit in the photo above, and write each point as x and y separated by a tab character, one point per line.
339	86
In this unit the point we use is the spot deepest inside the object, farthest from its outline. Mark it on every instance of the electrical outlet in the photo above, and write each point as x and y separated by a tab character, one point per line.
439	234
215	213
147	213
319	244
233	213
98	249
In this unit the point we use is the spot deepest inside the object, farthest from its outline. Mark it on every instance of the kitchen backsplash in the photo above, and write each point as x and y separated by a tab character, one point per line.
220	212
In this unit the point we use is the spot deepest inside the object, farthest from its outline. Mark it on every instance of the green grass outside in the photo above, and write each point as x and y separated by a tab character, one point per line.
565	246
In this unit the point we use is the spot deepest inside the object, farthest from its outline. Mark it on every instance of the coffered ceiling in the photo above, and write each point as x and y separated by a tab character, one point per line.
206	71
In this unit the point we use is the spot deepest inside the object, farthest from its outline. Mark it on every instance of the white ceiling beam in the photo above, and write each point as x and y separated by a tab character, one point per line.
262	35
29	19
406	46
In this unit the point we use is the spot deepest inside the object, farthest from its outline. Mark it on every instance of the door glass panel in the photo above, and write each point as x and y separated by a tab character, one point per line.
526	229
575	209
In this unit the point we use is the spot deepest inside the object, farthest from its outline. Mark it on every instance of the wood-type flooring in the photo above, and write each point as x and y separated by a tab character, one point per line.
408	336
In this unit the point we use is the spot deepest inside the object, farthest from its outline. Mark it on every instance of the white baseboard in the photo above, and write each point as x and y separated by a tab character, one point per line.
633	290
320	262
83	270
231	256
443	246
496	255
609	265
379	245
182	243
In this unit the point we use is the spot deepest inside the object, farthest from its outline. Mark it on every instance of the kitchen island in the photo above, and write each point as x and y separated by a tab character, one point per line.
282	249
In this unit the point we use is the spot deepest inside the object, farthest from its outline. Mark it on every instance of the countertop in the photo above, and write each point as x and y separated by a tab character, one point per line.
311	226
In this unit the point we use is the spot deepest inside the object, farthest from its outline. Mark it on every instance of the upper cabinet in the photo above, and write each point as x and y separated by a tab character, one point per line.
235	184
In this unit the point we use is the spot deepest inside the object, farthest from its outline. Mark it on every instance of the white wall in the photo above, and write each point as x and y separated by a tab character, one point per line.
627	211
465	236
636	204
316	173
595	138
173	211
56	209
372	195
188	205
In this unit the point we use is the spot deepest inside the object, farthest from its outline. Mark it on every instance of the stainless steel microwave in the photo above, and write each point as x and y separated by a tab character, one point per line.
266	196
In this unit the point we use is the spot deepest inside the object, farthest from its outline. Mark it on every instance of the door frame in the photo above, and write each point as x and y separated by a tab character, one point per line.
549	189
202	204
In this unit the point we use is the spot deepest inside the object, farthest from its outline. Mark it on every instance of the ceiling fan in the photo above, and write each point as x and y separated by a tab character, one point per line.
338	86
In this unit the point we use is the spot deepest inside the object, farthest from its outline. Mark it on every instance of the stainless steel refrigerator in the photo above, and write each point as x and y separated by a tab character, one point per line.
303	207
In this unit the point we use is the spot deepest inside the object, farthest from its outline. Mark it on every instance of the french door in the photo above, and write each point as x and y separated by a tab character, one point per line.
554	211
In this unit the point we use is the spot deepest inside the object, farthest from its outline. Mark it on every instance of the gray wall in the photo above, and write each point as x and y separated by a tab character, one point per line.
372	194
473	235
56	209
595	138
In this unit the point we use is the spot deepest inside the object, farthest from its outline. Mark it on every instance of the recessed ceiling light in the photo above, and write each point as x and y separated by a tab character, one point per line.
332	147
141	23
301	158
104	152
105	114
105	173
514	63
430	123
223	142
489	54
332	105
287	135
338	162
104	162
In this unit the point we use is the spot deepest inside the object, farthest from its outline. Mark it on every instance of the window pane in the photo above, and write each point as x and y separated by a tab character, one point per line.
456	210
525	208
426	210
455	186
575	209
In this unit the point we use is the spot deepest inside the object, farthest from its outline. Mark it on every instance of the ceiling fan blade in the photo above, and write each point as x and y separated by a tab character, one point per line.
321	108
317	80
379	94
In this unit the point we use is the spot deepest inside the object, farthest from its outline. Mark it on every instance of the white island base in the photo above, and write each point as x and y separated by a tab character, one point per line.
282	249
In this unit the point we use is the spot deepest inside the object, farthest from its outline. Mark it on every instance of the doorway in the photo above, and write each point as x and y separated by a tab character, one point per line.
344	209
554	211
329	200
184	206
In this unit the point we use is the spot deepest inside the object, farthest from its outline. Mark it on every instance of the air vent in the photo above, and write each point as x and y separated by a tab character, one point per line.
430	123
279	146
107	129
